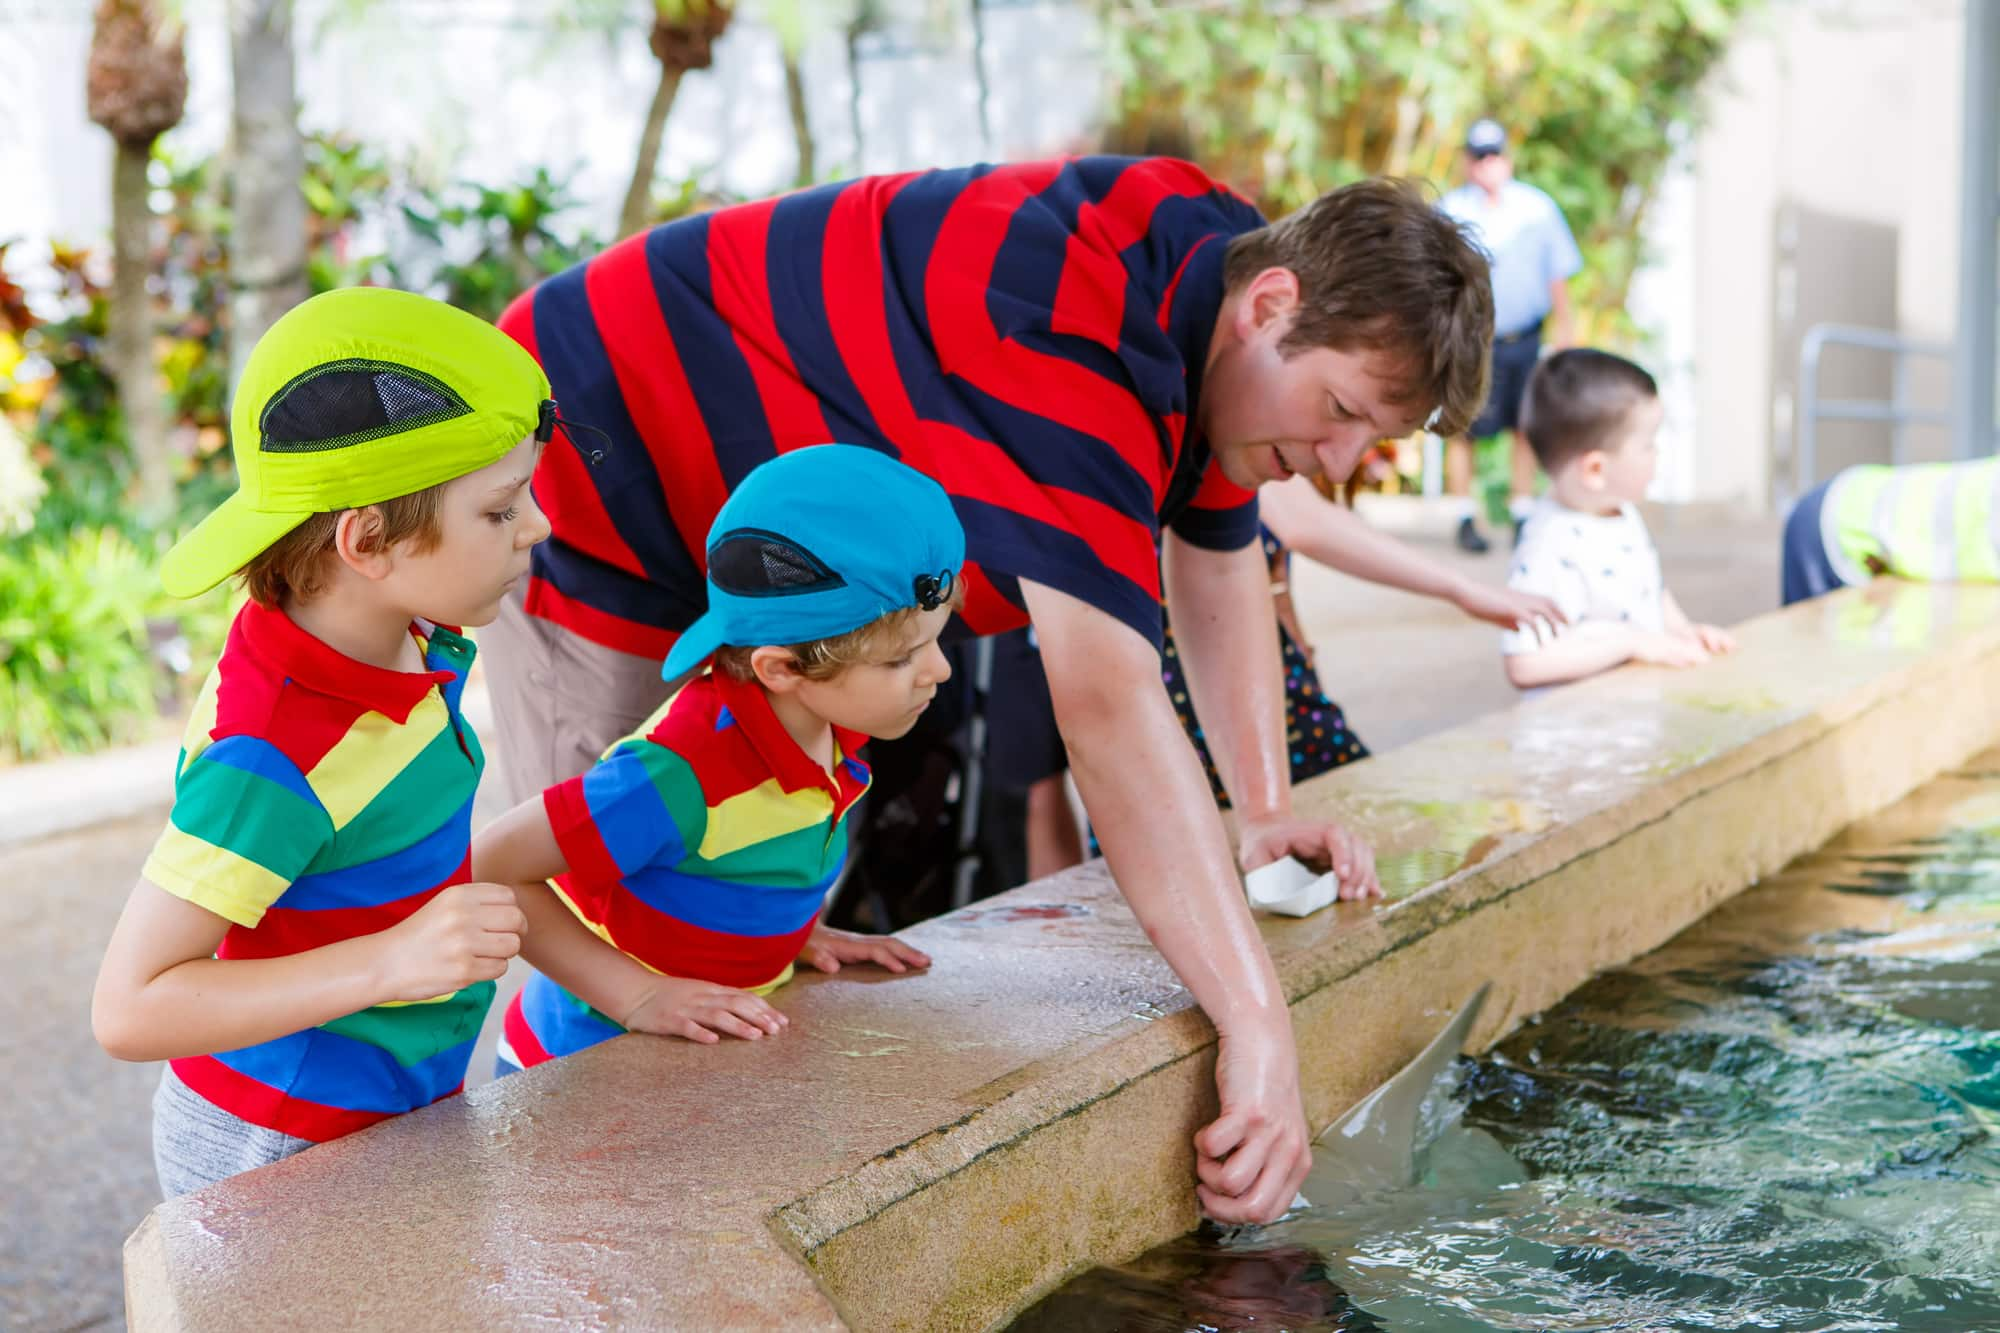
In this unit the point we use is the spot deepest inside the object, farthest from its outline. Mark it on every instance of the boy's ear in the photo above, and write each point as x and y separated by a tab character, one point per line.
1593	464
358	539
775	668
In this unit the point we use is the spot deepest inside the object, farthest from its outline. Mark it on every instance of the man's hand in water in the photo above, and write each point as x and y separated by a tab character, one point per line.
1253	1158
1316	842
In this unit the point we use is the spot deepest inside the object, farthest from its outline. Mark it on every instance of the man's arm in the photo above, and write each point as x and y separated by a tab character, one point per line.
1227	635
1562	319
1151	808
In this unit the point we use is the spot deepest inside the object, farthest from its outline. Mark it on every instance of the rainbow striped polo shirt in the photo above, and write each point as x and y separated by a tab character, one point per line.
702	845
317	799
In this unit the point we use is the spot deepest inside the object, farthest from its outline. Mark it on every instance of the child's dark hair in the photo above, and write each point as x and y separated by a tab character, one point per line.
1576	401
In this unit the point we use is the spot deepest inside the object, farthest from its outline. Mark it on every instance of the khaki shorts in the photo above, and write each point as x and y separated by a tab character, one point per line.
559	700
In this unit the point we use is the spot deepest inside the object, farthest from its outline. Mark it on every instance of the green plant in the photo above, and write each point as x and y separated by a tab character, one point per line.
1285	101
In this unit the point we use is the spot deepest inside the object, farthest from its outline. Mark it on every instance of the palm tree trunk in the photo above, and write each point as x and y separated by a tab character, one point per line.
639	195
802	133
267	253
131	329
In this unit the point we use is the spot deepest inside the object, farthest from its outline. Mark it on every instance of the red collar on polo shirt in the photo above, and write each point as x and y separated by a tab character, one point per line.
792	766
286	649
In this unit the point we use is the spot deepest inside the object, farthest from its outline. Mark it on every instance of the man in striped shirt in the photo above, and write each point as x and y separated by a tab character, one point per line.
1099	359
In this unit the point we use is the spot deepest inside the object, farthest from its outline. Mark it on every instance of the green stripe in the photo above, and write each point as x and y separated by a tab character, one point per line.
797	859
421	798
412	1033
679	791
255	818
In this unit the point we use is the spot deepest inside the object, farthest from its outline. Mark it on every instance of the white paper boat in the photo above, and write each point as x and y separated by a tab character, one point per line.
1290	889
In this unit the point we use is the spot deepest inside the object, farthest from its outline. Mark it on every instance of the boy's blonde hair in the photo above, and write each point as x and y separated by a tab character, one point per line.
823	659
296	565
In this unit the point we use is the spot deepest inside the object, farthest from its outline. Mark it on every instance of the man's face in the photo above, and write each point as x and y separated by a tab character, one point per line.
1269	415
1489	171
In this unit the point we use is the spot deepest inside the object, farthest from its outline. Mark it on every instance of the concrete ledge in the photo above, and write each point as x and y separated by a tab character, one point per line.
935	1152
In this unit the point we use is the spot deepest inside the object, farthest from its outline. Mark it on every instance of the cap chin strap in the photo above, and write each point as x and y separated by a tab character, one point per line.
545	429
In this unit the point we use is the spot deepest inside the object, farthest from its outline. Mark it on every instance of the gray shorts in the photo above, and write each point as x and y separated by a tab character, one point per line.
196	1142
559	700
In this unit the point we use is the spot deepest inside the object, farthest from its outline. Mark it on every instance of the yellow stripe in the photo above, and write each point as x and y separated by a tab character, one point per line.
373	752
213	878
202	721
760	814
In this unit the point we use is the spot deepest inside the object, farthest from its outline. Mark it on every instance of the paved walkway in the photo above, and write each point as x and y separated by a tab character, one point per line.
75	1162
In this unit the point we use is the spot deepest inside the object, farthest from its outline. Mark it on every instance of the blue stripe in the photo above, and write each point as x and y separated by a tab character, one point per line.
418	868
910	227
259	758
333	1070
562	1023
579	369
718	374
672	605
794	258
629	813
1001	540
728	907
1028	270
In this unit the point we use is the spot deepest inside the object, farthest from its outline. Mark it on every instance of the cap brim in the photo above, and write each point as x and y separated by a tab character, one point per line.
696	645
224	542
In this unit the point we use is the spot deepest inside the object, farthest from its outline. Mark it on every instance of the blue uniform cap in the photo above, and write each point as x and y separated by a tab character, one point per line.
818	542
1486	137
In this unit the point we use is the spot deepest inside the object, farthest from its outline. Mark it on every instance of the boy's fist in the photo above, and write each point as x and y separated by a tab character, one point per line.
1669	650
463	935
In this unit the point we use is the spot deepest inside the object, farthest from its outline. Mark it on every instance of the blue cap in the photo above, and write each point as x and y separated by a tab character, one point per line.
1486	137
818	542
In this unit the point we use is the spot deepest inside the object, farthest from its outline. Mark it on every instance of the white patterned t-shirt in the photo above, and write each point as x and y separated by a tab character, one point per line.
1601	569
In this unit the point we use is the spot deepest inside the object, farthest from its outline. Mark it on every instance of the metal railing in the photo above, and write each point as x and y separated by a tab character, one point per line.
1895	410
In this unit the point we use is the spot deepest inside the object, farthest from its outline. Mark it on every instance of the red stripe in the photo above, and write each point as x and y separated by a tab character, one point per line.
855	297
563	486
619	284
723	765
679	949
583	849
1090	296
528	1050
985	610
284	931
260	1104
1219	492
740	280
1167	301
600	627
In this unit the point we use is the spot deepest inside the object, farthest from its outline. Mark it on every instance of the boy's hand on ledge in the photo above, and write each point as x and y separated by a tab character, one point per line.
1316	842
827	948
1669	650
703	1011
1715	638
464	934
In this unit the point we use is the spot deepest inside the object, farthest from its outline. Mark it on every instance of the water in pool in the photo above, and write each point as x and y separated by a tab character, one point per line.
1788	1119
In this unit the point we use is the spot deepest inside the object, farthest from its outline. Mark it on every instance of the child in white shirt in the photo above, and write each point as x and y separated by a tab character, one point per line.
1593	420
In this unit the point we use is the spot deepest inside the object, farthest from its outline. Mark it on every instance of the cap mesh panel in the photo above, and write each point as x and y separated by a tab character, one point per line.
345	403
750	563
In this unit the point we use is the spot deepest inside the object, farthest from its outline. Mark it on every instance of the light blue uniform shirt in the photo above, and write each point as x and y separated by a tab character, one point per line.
1527	243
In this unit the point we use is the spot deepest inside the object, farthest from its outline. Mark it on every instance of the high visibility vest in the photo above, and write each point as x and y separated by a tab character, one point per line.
1933	522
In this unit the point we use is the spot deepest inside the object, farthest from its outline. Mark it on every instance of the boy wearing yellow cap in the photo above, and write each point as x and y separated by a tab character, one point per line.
303	946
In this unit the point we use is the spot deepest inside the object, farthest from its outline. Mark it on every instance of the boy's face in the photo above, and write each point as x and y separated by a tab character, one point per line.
487	523
885	696
1628	465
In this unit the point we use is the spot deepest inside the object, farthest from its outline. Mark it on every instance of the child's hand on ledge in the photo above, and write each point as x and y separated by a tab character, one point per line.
1715	638
702	1011
827	948
1668	650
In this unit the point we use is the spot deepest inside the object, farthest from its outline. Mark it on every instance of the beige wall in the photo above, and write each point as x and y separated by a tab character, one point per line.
1850	109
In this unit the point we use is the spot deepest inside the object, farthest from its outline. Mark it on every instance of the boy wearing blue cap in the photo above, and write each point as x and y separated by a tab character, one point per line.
696	854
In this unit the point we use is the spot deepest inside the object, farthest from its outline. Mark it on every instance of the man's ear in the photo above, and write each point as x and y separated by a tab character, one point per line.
1270	300
359	539
775	668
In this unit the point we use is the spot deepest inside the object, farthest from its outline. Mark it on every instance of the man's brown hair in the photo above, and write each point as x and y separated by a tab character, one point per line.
1380	268
823	659
296	565
1577	400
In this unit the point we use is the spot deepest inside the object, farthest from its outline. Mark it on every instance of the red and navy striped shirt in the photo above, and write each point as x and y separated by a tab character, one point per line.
1032	336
